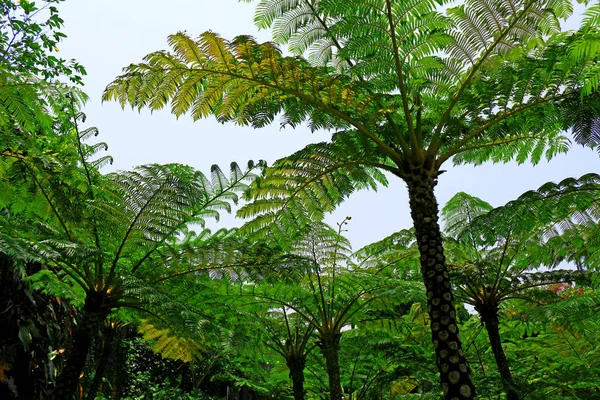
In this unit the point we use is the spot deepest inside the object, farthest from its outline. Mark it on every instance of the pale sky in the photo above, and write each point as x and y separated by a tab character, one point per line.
107	35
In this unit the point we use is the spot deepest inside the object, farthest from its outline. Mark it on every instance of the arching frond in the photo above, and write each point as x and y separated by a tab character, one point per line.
553	207
168	345
322	244
582	117
240	81
298	189
459	212
142	209
396	255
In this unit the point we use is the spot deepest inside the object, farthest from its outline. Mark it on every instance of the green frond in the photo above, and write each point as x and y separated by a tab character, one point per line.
396	254
553	207
299	189
240	81
528	100
484	28
459	212
49	283
322	244
168	345
577	313
582	116
591	18
516	146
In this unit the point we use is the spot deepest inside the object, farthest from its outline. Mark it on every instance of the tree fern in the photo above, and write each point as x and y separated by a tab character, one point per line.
404	86
488	273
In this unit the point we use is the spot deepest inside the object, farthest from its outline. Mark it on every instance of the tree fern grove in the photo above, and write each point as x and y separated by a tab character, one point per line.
126	285
404	86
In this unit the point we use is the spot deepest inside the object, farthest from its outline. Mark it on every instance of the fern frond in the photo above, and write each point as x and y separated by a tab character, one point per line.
395	255
553	207
168	345
459	212
297	190
240	81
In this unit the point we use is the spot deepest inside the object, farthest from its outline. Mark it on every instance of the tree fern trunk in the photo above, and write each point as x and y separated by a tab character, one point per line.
454	373
330	349
107	351
66	383
296	367
489	316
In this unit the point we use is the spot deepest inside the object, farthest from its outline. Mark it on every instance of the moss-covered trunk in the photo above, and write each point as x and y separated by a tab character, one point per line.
489	316
454	373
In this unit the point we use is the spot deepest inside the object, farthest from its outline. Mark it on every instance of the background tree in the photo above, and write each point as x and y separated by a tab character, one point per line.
102	232
334	288
491	268
404	86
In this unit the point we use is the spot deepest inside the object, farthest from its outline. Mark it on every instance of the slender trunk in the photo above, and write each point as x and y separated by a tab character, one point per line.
107	351
489	316
451	362
296	367
330	348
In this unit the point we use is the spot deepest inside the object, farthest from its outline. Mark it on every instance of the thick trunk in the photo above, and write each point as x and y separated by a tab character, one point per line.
107	351
119	373
451	362
66	383
330	349
489	316
296	367
89	325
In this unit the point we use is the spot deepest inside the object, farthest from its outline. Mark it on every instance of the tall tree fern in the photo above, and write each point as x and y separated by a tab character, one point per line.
406	86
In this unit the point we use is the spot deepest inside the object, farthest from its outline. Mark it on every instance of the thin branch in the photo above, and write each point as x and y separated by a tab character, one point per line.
98	261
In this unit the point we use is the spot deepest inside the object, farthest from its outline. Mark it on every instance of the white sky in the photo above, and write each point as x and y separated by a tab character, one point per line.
107	35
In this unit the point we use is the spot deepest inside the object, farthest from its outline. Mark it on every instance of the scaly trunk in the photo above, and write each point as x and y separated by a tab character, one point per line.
330	348
296	364
107	351
489	316
451	362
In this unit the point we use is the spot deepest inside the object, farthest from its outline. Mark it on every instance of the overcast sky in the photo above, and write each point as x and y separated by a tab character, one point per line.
107	35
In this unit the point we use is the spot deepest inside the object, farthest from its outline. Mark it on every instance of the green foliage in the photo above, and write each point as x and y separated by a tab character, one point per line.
29	35
49	283
405	86
554	208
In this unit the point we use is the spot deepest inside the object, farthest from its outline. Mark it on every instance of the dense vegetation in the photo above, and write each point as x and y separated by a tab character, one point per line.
111	287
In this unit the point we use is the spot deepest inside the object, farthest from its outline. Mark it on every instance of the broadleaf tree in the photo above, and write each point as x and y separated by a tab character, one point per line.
405	86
